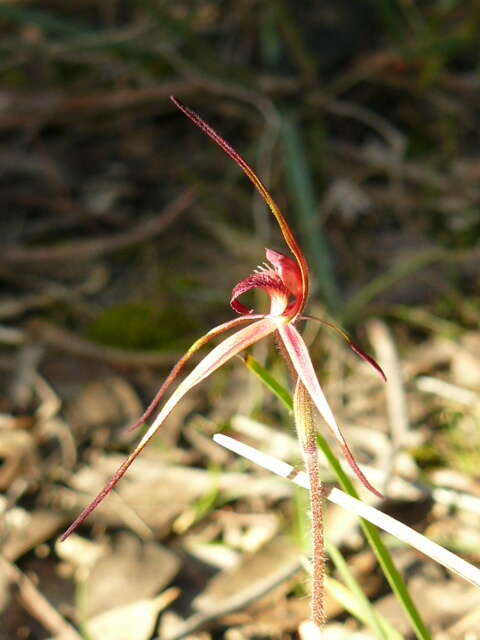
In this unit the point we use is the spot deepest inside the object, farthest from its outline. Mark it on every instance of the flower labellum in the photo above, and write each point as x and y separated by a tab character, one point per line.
285	280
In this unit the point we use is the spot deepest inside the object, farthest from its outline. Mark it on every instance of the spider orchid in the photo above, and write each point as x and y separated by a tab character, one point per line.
285	280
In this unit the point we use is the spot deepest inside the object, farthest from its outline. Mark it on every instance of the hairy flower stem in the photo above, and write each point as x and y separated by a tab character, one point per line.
304	422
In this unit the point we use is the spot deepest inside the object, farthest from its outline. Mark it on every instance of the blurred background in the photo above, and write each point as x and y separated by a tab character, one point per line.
123	231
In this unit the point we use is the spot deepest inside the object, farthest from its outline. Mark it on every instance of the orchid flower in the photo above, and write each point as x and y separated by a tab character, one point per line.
285	280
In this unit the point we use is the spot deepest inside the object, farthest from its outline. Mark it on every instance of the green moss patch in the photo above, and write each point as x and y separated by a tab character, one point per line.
140	326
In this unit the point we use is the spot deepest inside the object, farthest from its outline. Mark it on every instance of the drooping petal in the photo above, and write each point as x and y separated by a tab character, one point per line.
198	344
262	190
268	281
364	356
298	353
223	352
355	348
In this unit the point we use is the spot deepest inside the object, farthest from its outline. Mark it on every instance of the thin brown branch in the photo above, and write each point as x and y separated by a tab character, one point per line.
88	249
36	604
76	345
21	109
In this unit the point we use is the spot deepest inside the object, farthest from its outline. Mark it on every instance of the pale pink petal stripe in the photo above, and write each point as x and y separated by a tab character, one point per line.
198	344
298	352
216	358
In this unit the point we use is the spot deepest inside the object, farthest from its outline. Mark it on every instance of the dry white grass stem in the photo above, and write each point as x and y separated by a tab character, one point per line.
431	549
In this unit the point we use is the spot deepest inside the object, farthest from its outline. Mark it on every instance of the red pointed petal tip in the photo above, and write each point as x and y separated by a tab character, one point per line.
360	475
356	349
298	352
222	353
103	494
367	358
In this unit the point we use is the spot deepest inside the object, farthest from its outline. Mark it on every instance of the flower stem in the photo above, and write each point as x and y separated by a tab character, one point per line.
303	412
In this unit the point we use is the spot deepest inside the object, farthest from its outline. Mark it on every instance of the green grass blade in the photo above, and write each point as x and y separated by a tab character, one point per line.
269	381
384	558
387	280
304	200
301	523
350	602
361	606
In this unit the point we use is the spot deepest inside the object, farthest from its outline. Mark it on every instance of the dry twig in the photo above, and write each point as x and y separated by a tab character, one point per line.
88	249
76	345
36	604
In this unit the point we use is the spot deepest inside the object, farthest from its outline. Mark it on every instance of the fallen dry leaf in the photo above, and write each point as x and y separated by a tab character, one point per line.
133	570
135	621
